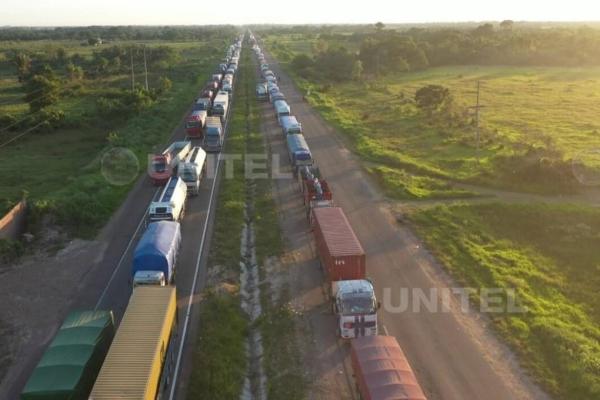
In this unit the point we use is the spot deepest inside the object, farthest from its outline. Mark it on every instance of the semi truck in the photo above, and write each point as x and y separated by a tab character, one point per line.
163	165
141	359
192	170
70	364
382	371
261	92
155	256
203	103
194	123
290	125
170	205
298	151
213	135
221	105
344	261
281	109
316	194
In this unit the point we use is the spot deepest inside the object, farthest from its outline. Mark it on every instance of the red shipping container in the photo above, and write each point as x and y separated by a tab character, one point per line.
382	371
341	254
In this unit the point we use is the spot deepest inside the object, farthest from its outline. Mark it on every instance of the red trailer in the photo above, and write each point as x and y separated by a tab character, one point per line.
340	252
194	124
382	371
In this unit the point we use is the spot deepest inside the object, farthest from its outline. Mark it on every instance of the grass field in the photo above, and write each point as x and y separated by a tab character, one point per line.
548	254
60	170
535	123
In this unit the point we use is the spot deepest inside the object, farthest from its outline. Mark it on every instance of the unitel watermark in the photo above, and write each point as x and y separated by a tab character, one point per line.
440	300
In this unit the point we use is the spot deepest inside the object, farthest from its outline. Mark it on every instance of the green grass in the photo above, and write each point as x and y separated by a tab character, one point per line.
282	354
61	169
219	360
548	254
536	121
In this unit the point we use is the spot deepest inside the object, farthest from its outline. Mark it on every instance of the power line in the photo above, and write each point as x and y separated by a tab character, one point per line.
477	108
22	134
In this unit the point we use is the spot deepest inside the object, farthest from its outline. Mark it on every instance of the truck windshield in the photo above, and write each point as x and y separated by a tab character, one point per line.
188	175
357	305
159	166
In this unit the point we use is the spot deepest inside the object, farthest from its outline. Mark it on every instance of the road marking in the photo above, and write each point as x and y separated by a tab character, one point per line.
188	311
123	255
385	330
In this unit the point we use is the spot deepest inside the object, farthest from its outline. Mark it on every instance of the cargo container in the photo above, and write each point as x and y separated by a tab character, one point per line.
155	256
298	151
70	364
141	359
193	169
194	123
221	105
344	262
213	135
170	205
290	125
381	370
164	165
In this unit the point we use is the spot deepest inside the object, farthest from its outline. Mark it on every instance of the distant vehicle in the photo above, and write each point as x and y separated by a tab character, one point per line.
213	135
276	95
70	364
271	78
192	170
164	165
212	85
299	152
281	109
203	104
316	194
222	67
194	123
207	94
221	105
141	360
155	256
272	88
267	73
217	77
261	92
230	71
227	87
382	371
170	206
290	125
344	262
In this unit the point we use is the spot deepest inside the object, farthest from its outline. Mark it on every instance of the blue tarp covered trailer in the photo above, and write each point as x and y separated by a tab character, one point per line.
157	250
298	150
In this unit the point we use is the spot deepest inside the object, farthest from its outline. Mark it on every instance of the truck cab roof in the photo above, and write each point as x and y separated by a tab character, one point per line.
355	287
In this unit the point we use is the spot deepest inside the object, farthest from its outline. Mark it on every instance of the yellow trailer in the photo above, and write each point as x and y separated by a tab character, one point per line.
138	364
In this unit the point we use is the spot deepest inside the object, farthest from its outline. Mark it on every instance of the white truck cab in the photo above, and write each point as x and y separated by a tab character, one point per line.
355	306
192	169
152	278
170	205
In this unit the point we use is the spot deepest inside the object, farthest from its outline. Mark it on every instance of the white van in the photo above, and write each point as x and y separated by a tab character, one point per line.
170	206
192	169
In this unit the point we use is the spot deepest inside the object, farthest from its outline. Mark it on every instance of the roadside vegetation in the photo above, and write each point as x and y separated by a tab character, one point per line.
406	104
404	100
548	254
72	100
219	359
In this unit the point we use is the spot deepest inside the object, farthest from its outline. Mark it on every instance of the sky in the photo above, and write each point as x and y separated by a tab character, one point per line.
201	12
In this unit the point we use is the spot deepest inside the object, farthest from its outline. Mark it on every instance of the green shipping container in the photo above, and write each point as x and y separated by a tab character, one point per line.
70	365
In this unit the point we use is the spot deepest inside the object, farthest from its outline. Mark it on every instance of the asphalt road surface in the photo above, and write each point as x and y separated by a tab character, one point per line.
106	285
453	354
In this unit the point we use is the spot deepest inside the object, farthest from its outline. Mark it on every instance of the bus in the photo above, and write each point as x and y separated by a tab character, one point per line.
141	359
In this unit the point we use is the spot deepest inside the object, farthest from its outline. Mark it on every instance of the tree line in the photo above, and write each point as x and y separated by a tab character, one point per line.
380	50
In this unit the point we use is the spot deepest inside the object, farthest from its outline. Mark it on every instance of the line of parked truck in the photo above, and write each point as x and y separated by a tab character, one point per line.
88	358
381	369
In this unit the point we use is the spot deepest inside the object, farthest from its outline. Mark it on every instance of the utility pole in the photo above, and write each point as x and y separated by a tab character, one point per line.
145	68
477	108
132	73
